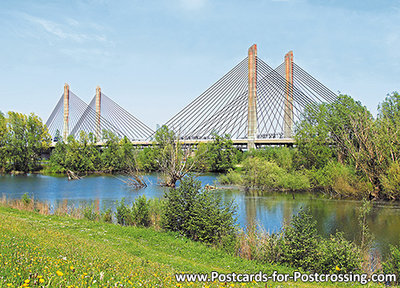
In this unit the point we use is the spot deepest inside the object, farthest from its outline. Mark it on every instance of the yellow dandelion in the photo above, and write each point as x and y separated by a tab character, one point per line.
337	268
27	281
41	280
59	273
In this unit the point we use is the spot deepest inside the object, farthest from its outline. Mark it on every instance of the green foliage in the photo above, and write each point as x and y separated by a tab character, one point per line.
284	157
82	155
391	182
106	216
231	178
339	179
26	199
321	135
337	255
221	154
300	241
198	214
137	215
262	174
141	212
392	264
89	213
23	138
301	247
147	159
123	213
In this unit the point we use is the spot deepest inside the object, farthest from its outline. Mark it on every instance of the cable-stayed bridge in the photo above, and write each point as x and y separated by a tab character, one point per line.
253	103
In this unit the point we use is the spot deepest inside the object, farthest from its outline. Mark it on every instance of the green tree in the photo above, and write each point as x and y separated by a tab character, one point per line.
197	213
221	154
25	139
111	157
327	130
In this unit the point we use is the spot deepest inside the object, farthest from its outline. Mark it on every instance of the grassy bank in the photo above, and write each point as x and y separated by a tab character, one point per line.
59	251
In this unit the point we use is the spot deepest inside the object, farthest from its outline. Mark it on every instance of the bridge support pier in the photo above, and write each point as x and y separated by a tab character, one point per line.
288	108
98	113
66	112
252	98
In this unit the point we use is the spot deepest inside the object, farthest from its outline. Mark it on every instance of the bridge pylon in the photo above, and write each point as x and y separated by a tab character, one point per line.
288	107
98	113
66	112
252	97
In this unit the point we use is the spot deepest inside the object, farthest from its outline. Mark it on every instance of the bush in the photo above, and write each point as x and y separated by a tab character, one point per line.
138	214
89	213
141	212
340	179
123	214
284	157
337	255
25	199
106	216
300	241
263	174
198	214
231	178
392	265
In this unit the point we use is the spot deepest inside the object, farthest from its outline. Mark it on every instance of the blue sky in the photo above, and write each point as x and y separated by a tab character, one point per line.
154	57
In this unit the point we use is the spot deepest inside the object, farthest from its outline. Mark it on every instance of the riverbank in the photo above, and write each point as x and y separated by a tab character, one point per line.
64	251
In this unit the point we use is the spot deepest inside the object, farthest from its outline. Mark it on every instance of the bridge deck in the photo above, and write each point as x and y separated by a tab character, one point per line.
239	142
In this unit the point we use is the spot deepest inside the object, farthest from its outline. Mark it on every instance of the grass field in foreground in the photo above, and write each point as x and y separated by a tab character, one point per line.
54	251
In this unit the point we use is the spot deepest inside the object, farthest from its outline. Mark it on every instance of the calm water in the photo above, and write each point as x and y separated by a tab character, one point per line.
270	210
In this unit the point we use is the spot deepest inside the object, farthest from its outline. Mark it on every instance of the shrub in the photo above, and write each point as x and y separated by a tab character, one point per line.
141	212
232	177
156	211
263	174
392	265
106	216
89	213
123	213
25	199
337	255
255	243
198	214
340	179
300	241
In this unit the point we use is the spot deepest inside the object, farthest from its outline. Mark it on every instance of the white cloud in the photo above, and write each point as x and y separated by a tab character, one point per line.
64	31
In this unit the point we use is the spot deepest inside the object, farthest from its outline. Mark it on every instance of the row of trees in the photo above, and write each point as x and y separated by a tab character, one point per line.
23	139
166	154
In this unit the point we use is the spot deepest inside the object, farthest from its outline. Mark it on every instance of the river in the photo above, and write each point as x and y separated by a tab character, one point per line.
270	210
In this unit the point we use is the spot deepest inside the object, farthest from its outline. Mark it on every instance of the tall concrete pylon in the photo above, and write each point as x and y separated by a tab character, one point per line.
288	108
252	98
66	112
98	113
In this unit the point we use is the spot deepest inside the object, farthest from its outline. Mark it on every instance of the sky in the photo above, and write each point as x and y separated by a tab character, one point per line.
155	57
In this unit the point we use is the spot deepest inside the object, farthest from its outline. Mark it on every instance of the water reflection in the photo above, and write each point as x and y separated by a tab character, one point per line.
271	210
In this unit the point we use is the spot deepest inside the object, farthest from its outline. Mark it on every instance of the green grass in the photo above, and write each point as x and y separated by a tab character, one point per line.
93	254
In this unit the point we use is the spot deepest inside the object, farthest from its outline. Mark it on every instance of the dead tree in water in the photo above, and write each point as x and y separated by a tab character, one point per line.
134	179
72	176
173	158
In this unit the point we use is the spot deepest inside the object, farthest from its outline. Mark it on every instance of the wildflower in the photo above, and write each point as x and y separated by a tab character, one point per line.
337	268
27	281
59	273
41	280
